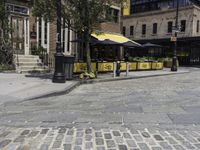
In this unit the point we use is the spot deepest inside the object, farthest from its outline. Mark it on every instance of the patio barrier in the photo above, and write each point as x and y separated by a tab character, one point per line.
109	66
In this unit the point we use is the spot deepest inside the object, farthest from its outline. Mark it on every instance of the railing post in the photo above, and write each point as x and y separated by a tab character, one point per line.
127	68
114	69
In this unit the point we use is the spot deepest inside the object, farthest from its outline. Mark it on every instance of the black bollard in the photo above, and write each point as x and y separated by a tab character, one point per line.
118	69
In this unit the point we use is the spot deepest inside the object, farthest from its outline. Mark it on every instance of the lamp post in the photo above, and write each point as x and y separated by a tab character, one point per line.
174	60
59	75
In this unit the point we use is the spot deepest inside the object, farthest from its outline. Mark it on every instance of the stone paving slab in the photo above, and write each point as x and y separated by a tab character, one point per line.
24	86
191	118
62	138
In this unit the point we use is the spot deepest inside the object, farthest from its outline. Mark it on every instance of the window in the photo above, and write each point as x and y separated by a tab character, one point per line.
116	15
40	32
113	14
124	31
63	35
197	26
17	9
143	29
131	30
68	36
183	25
45	32
155	28
170	23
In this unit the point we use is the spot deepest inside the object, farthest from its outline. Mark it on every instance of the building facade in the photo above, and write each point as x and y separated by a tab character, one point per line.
154	21
30	33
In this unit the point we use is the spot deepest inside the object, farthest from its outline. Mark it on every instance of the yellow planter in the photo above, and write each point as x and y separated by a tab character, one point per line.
143	65
157	65
82	67
132	66
123	66
105	67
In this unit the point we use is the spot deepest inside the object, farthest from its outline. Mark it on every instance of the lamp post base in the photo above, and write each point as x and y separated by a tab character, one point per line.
174	65
58	78
59	75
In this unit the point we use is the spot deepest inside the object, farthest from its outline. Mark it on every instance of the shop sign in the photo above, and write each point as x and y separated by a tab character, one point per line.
173	39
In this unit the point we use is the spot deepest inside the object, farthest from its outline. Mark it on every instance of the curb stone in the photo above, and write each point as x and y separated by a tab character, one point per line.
56	93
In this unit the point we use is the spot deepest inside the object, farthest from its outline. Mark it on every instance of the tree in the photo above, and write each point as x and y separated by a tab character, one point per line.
84	16
6	52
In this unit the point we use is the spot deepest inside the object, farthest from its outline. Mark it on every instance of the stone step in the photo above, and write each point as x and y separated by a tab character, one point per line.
40	70
31	67
30	64
27	59
27	56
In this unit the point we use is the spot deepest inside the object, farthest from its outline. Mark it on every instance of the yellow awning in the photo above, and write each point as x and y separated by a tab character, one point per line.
113	37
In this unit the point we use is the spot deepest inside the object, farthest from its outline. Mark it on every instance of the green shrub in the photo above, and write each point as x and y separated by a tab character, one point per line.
37	50
4	67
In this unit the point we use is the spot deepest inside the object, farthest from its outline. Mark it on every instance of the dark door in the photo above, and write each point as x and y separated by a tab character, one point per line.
17	24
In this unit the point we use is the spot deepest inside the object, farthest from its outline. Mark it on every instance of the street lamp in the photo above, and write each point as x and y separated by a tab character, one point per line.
59	75
174	60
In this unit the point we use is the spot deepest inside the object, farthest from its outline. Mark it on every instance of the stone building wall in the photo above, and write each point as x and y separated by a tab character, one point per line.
190	13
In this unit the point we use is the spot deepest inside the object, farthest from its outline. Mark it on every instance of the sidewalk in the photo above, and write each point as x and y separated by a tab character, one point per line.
31	86
138	74
15	86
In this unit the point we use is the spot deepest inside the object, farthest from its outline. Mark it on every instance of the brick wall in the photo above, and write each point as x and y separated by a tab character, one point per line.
110	27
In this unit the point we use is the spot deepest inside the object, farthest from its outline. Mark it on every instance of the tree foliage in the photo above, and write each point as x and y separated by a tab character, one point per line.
6	52
82	16
4	22
74	10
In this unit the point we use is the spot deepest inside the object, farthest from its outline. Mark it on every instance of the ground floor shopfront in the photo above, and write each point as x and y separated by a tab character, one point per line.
188	50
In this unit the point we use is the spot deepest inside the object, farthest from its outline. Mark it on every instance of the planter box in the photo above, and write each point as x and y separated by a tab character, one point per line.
81	67
143	65
157	65
132	66
123	66
105	67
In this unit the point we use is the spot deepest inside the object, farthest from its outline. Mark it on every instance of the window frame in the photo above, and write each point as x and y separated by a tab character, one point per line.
155	28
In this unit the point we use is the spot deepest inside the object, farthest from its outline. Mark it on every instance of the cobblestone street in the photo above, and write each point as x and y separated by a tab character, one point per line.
156	113
100	139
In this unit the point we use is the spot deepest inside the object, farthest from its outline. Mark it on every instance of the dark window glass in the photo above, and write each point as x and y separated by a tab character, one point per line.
140	6
170	23
124	31
40	32
197	25
131	30
155	28
183	25
68	35
63	35
45	32
115	15
143	29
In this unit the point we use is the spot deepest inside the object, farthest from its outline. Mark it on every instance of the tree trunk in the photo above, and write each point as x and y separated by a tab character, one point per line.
87	49
87	37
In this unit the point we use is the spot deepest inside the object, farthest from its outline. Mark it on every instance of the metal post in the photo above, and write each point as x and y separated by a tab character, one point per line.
59	75
127	68
174	60
114	69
